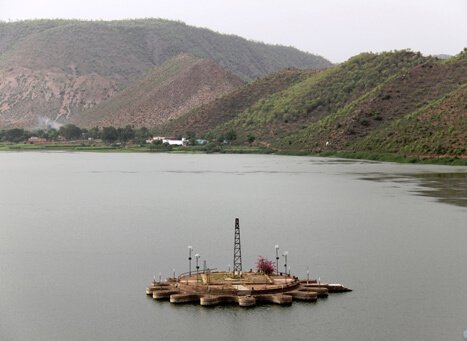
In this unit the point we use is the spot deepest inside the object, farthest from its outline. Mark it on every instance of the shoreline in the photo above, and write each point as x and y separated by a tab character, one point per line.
234	149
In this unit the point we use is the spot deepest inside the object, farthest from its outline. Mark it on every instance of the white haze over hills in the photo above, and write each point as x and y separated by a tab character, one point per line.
335	29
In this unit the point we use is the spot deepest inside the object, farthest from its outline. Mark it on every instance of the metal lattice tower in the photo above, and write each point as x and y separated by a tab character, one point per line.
237	263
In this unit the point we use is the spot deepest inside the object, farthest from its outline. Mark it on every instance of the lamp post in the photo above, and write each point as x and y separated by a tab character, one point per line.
190	249
197	268
285	254
307	274
277	259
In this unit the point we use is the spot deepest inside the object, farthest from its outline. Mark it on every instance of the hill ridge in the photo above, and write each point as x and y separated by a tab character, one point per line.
110	55
165	93
200	119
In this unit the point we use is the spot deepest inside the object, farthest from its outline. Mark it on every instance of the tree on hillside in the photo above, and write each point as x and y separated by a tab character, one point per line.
126	134
52	134
40	133
109	134
231	135
70	132
141	135
15	135
94	133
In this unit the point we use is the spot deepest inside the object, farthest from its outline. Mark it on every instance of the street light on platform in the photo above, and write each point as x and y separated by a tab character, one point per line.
190	250
277	259
285	254
197	268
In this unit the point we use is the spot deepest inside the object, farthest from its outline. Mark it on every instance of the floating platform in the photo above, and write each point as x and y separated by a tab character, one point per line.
245	290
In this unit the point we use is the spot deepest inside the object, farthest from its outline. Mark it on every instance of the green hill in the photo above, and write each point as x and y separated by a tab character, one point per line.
395	102
202	119
438	129
318	96
408	90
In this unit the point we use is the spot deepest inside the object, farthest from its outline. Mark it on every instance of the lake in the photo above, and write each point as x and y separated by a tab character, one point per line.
83	234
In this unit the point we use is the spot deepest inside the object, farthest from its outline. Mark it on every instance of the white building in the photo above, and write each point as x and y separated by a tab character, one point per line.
174	142
169	140
155	138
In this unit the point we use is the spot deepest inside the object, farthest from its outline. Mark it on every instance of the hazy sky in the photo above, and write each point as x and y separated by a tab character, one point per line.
335	29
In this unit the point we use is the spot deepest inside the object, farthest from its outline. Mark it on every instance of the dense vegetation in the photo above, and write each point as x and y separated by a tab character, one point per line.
439	128
71	132
409	90
319	95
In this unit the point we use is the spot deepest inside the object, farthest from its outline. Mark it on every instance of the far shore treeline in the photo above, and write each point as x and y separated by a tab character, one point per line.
71	132
130	139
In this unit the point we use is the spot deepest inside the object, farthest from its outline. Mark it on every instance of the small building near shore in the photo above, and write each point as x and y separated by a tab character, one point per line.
175	142
36	139
155	138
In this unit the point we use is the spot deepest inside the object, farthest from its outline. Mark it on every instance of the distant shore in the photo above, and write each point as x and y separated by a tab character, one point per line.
85	146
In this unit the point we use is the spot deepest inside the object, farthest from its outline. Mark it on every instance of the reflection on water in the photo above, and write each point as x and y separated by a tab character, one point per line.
449	188
343	161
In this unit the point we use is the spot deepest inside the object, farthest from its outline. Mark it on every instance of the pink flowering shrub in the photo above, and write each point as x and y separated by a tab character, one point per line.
264	265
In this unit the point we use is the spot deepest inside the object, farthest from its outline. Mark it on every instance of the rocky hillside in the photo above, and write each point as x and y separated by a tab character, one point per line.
182	83
29	97
58	68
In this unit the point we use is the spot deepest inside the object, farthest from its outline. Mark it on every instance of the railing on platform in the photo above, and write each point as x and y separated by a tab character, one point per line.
200	272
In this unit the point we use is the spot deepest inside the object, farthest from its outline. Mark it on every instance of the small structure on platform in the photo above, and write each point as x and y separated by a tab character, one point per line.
210	287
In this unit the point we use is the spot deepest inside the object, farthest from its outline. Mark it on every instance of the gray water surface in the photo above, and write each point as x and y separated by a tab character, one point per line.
82	234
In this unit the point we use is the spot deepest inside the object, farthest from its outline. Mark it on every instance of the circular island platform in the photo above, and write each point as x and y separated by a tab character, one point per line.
245	289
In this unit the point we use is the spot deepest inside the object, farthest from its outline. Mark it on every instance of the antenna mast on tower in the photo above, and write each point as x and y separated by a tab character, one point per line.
237	268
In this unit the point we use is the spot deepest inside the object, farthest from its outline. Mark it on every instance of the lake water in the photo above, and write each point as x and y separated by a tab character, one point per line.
83	234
